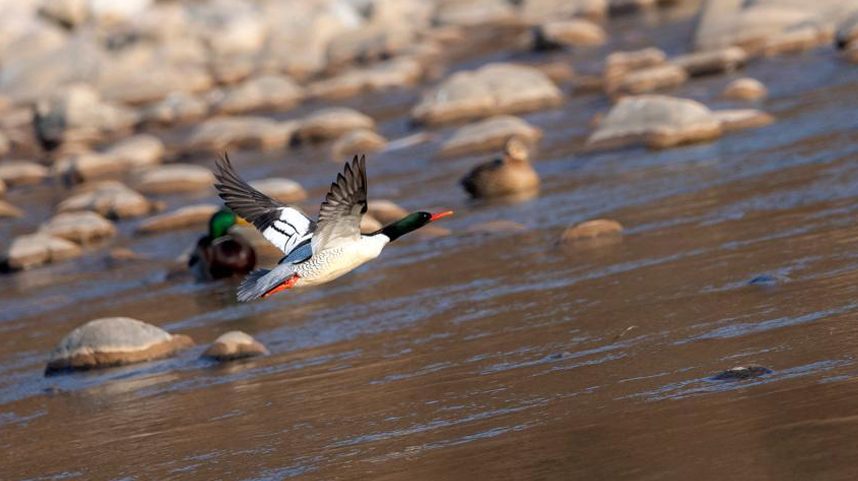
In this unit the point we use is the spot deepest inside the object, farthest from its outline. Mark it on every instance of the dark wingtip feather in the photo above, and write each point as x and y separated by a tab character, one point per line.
248	290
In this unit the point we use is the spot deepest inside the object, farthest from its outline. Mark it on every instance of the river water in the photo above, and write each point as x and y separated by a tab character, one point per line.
501	355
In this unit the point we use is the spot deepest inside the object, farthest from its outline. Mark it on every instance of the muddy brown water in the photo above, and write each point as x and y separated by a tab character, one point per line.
494	355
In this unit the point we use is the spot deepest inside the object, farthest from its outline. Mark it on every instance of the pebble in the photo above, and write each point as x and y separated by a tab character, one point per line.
113	341
740	373
592	228
745	88
235	345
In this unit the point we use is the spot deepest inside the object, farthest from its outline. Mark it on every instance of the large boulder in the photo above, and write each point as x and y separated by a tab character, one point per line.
251	132
113	341
656	121
187	216
496	88
111	199
267	91
81	227
331	123
489	135
78	114
769	24
175	178
33	250
235	345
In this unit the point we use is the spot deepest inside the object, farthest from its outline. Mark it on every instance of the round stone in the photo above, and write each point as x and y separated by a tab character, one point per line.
592	228
235	345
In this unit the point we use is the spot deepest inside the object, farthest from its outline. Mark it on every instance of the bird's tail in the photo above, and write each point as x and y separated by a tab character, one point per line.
253	286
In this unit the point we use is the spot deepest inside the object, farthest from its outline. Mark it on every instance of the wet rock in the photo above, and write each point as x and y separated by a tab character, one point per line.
175	108
78	114
22	172
656	121
566	33
497	227
558	72
771	24
66	13
235	345
357	142
33	250
741	373
299	33
9	210
175	178
81	227
122	254
371	43
742	119
495	88
229	28
191	215
648	79
797	39
332	122
850	53
5	144
111	199
489	135
745	89
268	91
542	10
397	72
618	64
385	211
113	341
769	280
369	224
249	132
592	228
2	187
138	151
278	188
108	12
474	12
711	62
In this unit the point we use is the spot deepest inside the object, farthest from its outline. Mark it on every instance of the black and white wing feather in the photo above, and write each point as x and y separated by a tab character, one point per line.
344	205
283	225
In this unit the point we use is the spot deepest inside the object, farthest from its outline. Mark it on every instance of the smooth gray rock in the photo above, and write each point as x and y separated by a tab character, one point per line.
235	345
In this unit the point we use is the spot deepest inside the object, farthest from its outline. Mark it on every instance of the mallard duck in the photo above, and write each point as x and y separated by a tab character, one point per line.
318	251
219	254
511	174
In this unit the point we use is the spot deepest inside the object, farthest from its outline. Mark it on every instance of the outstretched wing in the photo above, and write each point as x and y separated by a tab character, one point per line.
283	225
341	212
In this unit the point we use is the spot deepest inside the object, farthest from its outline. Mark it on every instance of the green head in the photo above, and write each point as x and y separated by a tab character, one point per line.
220	223
410	222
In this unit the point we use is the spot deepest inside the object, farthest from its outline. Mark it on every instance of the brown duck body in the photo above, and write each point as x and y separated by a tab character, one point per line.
511	174
223	257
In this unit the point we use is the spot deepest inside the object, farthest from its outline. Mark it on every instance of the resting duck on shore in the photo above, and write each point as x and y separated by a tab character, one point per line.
319	251
511	174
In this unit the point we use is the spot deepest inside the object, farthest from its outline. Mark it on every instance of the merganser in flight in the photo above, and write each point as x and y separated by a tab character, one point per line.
315	252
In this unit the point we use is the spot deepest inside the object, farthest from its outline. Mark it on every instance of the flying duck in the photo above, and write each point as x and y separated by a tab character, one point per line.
511	174
219	254
318	251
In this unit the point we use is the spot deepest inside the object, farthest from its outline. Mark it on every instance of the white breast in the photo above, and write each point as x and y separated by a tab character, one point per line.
329	264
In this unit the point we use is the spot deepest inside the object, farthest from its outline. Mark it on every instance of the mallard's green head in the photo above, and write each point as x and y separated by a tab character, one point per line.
220	223
409	223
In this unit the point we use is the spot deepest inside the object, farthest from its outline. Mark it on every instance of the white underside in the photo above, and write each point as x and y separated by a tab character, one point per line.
332	263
